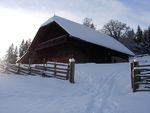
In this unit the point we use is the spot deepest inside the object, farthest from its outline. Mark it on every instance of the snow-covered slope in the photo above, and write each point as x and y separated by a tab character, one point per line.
99	88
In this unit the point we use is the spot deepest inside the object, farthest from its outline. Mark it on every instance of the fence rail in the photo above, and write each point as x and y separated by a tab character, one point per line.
140	75
51	69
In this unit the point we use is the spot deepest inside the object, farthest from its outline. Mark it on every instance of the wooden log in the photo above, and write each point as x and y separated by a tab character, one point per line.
144	65
24	72
142	83
59	64
147	87
48	74
147	74
57	71
143	75
57	68
142	90
52	68
11	70
142	69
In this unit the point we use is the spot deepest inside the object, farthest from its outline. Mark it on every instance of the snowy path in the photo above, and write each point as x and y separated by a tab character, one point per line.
112	89
99	88
101	103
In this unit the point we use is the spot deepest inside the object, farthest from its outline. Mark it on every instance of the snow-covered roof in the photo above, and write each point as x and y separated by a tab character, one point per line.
87	34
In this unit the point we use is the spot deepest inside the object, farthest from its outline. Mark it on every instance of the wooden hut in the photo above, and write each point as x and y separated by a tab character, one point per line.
59	39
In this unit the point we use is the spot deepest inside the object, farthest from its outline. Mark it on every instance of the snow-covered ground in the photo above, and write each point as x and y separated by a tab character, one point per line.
99	88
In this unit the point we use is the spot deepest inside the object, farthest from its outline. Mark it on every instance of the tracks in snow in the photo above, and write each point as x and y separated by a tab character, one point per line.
100	100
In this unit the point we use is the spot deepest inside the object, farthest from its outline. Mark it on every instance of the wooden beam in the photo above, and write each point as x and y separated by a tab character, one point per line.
51	42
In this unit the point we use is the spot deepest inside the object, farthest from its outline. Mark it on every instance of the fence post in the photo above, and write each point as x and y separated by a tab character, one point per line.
44	63
6	67
55	69
132	73
72	70
68	70
135	79
29	68
18	71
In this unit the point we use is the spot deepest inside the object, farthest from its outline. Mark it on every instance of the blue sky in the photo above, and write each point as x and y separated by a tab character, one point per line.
22	18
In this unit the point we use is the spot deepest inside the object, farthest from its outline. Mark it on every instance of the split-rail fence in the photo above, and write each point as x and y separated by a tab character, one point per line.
65	71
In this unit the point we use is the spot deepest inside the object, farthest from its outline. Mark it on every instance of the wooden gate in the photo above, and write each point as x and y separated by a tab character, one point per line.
140	77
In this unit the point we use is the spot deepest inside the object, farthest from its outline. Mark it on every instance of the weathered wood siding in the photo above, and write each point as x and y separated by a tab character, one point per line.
88	52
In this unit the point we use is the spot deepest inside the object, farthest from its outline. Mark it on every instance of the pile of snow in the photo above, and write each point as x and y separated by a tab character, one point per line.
99	88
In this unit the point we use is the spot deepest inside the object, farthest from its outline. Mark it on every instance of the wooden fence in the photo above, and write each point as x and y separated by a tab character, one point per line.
140	77
2	67
51	69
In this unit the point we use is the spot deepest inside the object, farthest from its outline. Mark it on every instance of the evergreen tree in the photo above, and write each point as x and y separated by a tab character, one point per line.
131	34
146	41
129	41
27	44
11	55
139	35
15	55
24	47
21	48
148	37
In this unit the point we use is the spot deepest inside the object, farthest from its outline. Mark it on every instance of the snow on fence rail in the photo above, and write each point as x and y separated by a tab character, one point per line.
51	69
140	77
